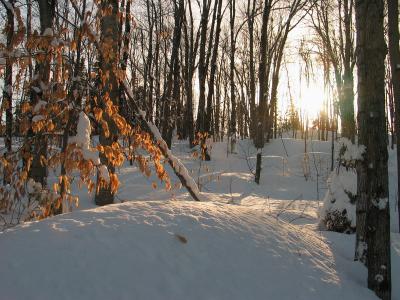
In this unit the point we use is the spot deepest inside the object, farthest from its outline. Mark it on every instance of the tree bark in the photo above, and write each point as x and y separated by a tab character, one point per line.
373	226
259	141
213	69
252	79
173	81
38	170
232	127
394	53
109	43
200	122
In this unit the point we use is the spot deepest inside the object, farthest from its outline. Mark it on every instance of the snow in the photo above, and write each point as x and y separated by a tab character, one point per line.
82	140
48	32
36	90
37	118
135	250
177	165
248	241
340	184
9	6
33	186
380	203
40	105
103	172
352	151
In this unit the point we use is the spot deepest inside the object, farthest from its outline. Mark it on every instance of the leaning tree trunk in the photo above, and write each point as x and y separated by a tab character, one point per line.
373	226
394	52
108	42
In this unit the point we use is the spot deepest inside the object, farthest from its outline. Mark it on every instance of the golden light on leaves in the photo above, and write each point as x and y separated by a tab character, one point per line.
49	122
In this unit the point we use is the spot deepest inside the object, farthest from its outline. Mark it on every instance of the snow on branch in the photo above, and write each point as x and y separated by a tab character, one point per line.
178	167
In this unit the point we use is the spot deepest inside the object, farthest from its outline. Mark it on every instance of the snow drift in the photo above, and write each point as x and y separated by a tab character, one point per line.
170	250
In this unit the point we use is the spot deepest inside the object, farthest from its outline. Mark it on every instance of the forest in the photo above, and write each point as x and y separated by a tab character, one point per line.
199	149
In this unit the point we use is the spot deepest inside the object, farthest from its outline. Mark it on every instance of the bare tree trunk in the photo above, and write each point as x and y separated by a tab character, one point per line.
200	122
252	83
109	40
213	70
347	99
191	45
173	82
259	141
232	127
394	52
373	224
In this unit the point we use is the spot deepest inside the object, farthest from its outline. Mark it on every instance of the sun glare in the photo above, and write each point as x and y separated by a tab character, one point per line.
311	99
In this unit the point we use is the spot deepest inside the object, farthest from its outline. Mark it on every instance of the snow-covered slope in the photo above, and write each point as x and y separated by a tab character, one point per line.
250	242
173	250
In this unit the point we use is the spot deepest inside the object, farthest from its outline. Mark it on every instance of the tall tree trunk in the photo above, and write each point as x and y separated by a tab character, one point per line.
38	170
8	80
173	81
191	45
232	127
148	80
109	42
394	52
347	99
373	224
252	83
74	100
8	88
213	69
259	141
200	122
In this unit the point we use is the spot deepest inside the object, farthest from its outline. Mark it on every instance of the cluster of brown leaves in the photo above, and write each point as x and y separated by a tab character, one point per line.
48	117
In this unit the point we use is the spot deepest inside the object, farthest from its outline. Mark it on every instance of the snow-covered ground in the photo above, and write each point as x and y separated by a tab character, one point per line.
246	242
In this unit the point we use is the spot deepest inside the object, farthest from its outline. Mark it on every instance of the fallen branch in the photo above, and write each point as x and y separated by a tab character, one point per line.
179	169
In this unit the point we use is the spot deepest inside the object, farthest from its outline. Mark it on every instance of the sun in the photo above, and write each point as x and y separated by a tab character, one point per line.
311	100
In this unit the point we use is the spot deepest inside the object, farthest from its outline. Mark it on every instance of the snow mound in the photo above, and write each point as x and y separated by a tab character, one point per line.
170	250
338	212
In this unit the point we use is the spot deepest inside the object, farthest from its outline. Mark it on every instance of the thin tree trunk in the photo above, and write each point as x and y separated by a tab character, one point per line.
259	142
232	127
252	84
